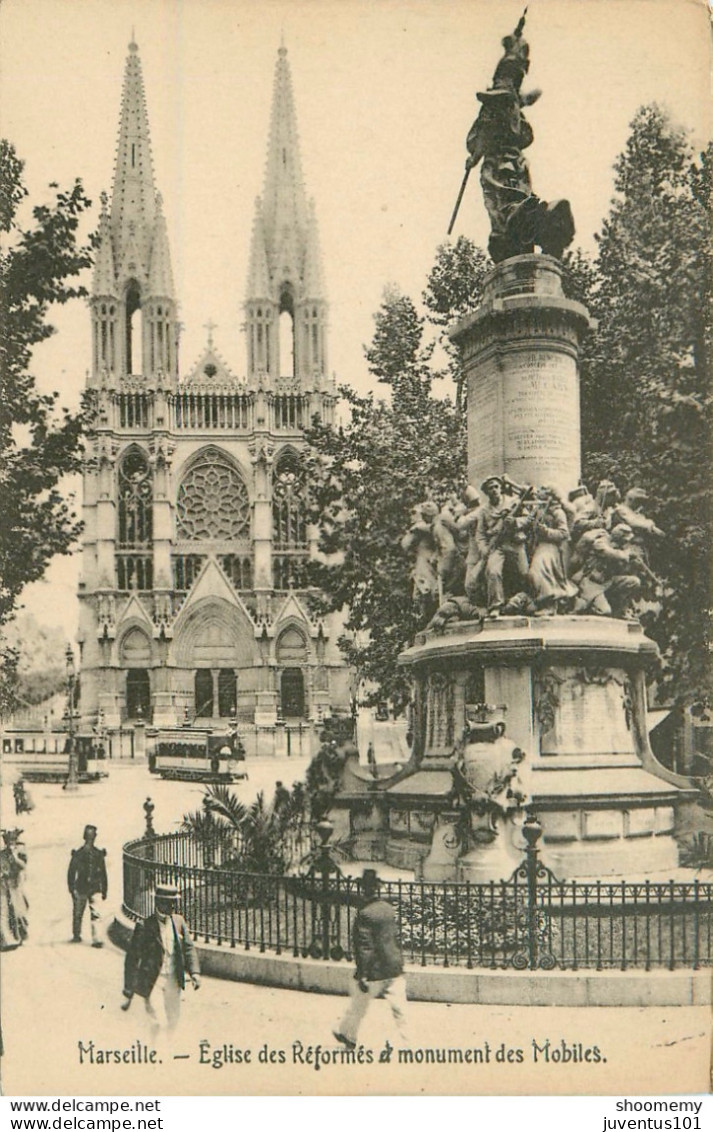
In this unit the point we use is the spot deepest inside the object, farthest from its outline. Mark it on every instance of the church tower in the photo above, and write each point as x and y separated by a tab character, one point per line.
285	309
193	603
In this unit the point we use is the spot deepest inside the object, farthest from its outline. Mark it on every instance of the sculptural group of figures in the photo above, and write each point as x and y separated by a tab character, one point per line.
527	550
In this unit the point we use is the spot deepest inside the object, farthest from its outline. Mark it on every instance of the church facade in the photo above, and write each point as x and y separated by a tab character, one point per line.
193	601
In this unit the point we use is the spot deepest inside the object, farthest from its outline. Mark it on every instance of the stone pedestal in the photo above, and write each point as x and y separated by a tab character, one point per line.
520	353
577	690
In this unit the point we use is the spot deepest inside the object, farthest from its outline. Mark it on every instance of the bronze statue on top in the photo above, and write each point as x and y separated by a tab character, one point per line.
519	220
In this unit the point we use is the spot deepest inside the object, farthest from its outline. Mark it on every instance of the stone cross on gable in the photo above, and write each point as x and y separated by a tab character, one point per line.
210	326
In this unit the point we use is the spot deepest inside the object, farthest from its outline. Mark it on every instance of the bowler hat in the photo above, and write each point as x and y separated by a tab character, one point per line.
370	877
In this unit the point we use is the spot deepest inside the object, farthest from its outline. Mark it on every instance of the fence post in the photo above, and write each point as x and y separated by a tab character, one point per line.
149	808
532	832
323	867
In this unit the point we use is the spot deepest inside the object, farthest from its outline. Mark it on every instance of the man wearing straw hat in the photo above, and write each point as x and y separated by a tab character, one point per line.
160	954
379	963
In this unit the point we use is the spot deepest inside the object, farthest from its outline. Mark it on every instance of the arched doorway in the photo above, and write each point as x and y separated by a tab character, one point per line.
138	694
203	690
292	694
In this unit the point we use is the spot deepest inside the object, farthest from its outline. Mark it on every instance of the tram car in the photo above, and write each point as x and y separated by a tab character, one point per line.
35	755
194	754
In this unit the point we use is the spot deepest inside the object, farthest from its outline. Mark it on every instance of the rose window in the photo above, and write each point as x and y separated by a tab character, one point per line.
213	503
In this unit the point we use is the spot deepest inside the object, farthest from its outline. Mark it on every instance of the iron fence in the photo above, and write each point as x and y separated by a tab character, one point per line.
530	921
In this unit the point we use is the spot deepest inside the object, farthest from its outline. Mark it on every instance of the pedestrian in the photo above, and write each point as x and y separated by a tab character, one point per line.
87	880
13	902
379	963
160	955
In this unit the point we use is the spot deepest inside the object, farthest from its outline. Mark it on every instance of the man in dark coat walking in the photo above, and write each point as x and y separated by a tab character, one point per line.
86	880
379	963
160	955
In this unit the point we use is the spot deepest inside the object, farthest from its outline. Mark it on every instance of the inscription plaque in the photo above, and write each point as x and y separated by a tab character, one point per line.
523	418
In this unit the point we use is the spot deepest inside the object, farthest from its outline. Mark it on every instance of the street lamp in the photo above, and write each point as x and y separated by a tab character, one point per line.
71	782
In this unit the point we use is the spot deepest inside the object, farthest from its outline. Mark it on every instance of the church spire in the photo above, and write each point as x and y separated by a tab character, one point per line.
133	201
283	198
136	333
285	278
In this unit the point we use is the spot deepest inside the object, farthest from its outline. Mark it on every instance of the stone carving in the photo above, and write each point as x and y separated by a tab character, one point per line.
485	773
163	611
161	451
630	512
420	541
106	614
466	523
500	535
547	699
261	452
549	533
518	219
449	561
609	578
531	552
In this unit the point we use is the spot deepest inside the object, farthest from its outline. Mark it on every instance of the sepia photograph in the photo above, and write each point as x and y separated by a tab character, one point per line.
356	712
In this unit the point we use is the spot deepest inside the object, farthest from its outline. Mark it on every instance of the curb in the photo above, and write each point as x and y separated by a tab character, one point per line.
456	985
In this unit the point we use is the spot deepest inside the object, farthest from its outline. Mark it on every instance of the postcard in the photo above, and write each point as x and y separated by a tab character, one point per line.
412	293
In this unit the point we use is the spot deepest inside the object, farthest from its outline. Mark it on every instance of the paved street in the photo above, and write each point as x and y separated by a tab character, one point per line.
61	1002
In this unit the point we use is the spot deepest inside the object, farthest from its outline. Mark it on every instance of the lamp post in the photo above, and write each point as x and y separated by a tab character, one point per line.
71	781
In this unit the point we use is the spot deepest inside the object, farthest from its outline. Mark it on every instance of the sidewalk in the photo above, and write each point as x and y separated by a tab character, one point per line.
60	1003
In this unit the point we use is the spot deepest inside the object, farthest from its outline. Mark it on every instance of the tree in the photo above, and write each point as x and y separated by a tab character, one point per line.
39	445
453	290
366	477
646	392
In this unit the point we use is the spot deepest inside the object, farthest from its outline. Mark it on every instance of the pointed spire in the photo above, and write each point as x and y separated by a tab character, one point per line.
133	196
313	274
284	202
104	274
258	272
160	273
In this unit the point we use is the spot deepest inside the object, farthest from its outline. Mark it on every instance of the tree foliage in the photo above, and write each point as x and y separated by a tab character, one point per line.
646	379
646	412
365	478
40	444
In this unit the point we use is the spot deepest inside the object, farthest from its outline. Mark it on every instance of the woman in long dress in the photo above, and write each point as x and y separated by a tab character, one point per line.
13	902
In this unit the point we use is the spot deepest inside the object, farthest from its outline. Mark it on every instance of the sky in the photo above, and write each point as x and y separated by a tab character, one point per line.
385	95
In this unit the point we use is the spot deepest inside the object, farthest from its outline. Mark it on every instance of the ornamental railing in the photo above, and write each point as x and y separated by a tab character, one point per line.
531	920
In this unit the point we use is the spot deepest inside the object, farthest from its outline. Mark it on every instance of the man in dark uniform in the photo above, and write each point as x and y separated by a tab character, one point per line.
379	963
160	955
86	880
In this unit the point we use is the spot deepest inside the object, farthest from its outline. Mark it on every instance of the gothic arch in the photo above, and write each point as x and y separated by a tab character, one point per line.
134	548
291	646
214	634
135	648
212	502
289	521
133	326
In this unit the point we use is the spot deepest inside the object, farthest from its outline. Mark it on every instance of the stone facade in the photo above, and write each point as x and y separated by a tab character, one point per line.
193	606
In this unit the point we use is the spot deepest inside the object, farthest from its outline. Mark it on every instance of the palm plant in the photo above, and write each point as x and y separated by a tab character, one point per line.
261	837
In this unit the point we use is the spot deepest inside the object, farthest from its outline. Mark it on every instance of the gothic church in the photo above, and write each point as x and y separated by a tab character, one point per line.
192	601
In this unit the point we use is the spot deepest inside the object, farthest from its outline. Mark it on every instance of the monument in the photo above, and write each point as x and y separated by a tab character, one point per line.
530	680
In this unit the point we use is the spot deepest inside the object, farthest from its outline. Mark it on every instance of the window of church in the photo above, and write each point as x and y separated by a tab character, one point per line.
134	559
289	523
239	569
213	502
289	503
134	328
